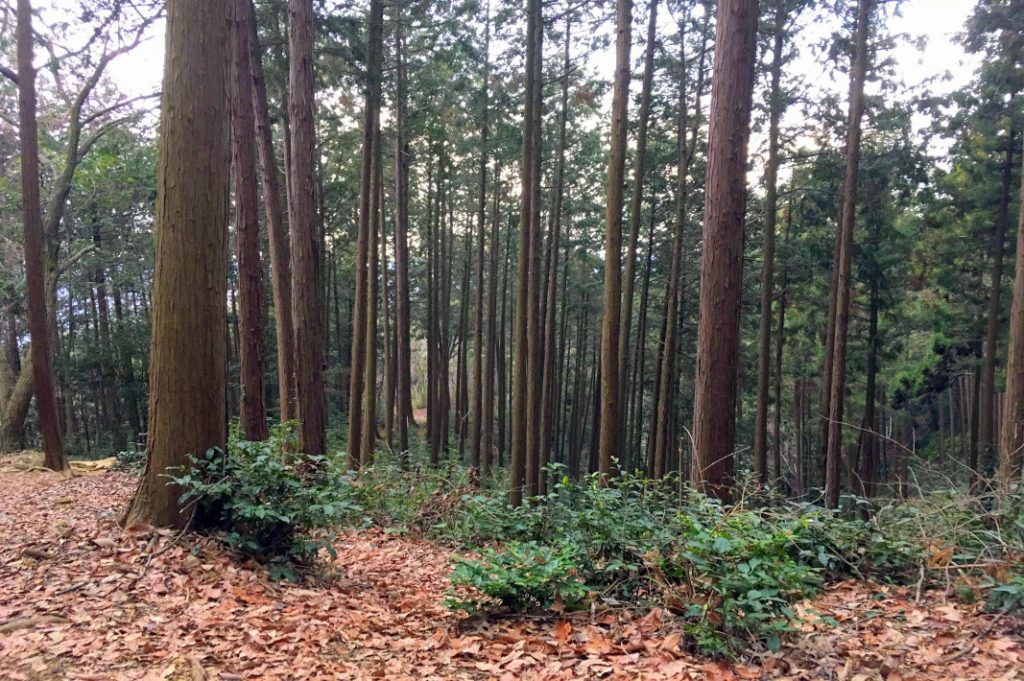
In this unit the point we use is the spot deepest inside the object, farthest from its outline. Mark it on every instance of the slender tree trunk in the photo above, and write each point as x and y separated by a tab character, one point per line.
307	312
660	447
521	455
1011	437
368	434
253	413
478	452
359	390
403	358
714	422
548	379
54	456
610	394
187	352
777	107
635	204
779	342
843	265
987	438
865	484
488	394
277	229
390	351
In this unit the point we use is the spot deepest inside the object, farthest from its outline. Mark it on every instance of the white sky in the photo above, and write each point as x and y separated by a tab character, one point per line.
937	20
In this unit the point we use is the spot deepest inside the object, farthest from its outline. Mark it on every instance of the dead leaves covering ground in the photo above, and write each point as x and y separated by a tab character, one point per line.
82	599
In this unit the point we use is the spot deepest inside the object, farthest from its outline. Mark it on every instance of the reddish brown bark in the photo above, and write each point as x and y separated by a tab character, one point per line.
54	456
714	422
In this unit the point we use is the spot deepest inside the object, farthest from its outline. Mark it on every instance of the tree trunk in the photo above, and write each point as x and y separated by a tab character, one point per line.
403	353
714	422
187	352
307	306
843	280
54	456
277	229
1011	438
361	335
659	447
252	412
610	395
548	379
522	383
368	434
987	437
777	107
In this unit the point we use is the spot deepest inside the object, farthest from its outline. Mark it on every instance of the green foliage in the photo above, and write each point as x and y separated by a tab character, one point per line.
1007	597
731	573
522	576
130	461
273	505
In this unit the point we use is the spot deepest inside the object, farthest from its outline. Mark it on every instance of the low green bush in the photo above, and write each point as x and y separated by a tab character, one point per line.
277	507
731	573
522	576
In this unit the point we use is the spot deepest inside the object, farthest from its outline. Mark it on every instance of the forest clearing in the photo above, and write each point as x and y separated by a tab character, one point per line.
548	339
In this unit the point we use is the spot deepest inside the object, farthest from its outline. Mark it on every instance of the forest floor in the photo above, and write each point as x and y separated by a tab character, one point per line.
82	599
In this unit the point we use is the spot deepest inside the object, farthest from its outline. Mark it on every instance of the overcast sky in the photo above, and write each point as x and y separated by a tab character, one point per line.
937	20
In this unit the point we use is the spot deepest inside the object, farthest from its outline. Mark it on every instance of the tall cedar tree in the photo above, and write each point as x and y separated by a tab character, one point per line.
836	368
1011	436
358	389
307	301
522	456
187	369
277	229
987	408
54	456
635	204
610	397
549	380
714	418
253	415
476	455
776	107
403	352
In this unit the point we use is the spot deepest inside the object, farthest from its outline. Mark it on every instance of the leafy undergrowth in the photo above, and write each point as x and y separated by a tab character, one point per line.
82	599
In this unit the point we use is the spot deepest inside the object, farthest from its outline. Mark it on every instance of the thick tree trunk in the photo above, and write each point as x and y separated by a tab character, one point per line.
307	304
714	422
252	410
277	229
843	279
1011	437
187	351
55	458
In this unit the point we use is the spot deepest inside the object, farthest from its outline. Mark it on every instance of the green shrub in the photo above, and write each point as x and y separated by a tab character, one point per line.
523	576
271	506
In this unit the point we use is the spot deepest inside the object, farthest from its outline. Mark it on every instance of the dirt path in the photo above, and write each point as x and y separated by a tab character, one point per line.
78	601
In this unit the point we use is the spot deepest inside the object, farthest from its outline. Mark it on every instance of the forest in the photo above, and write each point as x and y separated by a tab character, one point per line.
554	339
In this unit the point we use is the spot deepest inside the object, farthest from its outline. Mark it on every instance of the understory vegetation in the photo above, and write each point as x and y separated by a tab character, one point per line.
730	573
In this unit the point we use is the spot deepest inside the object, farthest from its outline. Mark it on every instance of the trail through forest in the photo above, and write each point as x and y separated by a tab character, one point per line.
82	599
